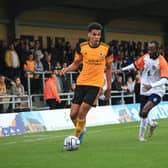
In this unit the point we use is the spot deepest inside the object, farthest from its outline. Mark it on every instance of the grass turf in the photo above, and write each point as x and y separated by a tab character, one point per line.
112	146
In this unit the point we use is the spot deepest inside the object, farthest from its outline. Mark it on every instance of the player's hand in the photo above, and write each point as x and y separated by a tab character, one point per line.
107	94
63	71
146	87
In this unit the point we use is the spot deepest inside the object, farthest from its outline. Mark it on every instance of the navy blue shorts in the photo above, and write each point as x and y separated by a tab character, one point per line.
154	98
87	94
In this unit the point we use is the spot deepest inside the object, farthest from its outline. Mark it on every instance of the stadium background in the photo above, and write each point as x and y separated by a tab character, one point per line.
138	20
108	146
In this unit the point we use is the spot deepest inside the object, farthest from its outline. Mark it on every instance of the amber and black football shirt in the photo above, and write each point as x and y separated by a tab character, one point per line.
94	61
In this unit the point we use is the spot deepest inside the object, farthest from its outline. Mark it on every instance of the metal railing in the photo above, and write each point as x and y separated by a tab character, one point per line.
13	100
65	97
43	76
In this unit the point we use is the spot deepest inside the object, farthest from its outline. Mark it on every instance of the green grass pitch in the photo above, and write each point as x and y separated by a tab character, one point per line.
112	146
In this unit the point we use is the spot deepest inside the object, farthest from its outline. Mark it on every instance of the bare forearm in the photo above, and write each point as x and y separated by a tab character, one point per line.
109	77
129	67
71	67
162	81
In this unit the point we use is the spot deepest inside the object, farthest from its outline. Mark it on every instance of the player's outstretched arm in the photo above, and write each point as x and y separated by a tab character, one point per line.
129	67
162	81
107	92
75	65
126	68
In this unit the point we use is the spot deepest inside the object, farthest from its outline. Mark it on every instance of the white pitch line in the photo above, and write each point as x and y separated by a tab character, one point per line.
43	138
35	135
9	143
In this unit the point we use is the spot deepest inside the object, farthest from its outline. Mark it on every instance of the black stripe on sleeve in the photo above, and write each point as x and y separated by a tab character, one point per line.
78	49
136	66
109	52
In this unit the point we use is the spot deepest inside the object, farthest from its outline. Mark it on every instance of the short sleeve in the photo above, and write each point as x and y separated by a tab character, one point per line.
109	57
163	67
78	56
139	63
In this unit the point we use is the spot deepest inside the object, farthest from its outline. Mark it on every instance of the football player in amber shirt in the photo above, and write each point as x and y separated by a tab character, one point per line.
95	57
153	79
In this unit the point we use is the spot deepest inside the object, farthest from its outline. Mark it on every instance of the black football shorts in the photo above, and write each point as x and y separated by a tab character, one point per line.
87	94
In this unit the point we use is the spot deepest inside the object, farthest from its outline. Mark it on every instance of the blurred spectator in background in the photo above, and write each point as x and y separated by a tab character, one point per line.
130	84
118	85
37	49
66	80
68	54
29	66
25	51
12	62
51	49
58	65
18	90
51	93
3	48
59	45
47	63
3	91
38	77
62	84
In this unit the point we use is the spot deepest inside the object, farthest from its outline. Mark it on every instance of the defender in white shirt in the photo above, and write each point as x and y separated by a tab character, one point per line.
153	79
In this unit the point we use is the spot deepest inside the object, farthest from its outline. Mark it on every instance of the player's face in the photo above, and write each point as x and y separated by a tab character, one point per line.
152	50
94	37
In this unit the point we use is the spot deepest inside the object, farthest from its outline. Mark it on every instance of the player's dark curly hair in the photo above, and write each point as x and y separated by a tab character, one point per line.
94	25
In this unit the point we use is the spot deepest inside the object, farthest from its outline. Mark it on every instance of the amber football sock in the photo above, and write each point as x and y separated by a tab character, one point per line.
80	124
74	121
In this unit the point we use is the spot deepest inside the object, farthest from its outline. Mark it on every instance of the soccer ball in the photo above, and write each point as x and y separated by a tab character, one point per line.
71	143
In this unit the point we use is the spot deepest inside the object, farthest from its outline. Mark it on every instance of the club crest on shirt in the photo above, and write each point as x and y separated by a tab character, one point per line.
100	54
153	67
85	53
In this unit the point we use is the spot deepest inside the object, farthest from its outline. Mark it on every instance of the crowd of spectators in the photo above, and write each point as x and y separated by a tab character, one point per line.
22	56
125	53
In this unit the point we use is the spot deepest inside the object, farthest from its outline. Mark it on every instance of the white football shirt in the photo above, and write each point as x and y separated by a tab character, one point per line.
152	71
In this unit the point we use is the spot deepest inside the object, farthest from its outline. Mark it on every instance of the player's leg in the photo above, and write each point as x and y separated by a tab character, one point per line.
74	112
155	99
76	103
153	125
143	123
144	120
89	100
81	121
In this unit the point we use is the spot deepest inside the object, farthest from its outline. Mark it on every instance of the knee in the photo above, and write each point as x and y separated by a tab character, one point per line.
143	114
72	116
